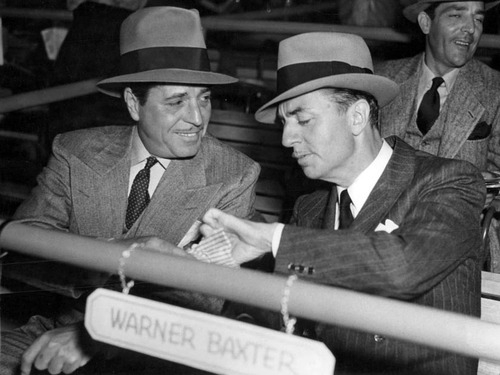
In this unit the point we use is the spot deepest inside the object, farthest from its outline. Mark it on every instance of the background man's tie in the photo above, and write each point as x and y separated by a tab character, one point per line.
139	196
429	107
345	214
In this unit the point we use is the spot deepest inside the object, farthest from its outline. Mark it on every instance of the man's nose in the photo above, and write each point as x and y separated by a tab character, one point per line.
194	114
289	136
469	25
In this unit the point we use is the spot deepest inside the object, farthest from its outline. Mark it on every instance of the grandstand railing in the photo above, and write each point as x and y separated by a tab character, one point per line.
445	330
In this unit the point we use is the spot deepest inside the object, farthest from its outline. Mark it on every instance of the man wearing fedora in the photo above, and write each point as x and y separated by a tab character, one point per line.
394	222
466	120
147	183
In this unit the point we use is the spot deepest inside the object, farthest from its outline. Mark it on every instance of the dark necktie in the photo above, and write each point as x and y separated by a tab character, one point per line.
345	214
139	196
429	107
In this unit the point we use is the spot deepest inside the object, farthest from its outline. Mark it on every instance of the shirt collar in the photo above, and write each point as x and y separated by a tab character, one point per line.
428	75
363	185
139	152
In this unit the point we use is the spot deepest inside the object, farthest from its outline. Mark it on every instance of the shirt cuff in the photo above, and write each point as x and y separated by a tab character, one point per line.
277	238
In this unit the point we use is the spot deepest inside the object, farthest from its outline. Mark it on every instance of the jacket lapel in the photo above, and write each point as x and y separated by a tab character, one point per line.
404	102
181	198
463	112
392	183
101	181
330	209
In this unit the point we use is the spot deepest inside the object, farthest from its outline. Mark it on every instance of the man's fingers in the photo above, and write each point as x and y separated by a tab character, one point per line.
206	230
47	359
211	218
31	354
55	365
70	367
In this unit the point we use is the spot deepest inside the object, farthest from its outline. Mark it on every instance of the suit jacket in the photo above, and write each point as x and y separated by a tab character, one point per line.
468	126
84	188
434	258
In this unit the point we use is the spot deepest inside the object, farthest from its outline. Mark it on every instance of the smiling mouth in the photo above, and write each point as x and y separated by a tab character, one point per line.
188	134
463	43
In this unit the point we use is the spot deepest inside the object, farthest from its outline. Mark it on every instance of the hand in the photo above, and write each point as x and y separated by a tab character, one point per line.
249	240
62	349
155	244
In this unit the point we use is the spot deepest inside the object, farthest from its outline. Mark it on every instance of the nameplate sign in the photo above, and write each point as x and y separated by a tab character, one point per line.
200	340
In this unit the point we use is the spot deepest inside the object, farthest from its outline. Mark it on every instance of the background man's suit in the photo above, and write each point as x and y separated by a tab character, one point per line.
468	126
432	259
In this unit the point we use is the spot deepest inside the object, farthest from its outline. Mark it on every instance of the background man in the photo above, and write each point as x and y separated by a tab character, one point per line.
462	119
99	181
409	221
468	124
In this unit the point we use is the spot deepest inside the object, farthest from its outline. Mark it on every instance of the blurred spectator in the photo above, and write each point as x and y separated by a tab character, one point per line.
127	4
382	13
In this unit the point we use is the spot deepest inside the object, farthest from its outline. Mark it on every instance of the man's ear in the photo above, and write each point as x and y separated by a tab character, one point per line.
359	114
132	103
424	21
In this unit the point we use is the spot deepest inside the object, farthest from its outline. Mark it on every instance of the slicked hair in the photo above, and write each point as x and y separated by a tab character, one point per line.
141	90
344	98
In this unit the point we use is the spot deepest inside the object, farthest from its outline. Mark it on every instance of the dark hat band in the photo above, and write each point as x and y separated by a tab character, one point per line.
141	60
294	75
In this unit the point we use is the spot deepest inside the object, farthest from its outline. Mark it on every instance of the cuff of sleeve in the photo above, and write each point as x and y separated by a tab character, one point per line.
277	238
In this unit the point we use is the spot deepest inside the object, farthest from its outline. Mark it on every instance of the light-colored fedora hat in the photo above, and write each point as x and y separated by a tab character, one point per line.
311	61
411	11
165	45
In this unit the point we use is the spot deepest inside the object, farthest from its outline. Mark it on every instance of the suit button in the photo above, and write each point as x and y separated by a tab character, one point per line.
378	338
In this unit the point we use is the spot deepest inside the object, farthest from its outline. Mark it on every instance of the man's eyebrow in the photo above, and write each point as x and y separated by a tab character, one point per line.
460	8
295	111
178	95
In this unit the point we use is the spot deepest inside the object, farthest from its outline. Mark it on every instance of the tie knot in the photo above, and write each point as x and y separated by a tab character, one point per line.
436	82
150	162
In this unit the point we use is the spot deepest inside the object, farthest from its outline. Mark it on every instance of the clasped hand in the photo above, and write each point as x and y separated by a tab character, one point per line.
62	349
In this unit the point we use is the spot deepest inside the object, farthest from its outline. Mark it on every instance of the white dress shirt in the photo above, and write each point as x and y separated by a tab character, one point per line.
359	190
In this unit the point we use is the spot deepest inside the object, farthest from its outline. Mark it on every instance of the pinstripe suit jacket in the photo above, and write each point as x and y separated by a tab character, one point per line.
432	259
84	188
468	126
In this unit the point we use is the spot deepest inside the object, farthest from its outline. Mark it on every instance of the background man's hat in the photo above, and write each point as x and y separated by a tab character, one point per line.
165	45
311	61
411	11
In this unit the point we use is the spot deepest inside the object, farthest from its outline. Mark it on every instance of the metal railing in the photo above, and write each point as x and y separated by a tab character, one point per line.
240	23
48	95
423	325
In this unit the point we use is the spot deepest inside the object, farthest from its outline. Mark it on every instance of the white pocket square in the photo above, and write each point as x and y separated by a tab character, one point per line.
388	226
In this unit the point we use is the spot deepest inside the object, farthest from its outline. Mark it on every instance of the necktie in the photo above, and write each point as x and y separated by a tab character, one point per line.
139	196
428	111
345	214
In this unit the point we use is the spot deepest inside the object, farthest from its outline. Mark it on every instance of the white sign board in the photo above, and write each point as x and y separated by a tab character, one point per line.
200	340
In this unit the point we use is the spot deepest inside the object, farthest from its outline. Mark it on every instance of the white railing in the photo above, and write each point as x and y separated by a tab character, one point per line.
449	331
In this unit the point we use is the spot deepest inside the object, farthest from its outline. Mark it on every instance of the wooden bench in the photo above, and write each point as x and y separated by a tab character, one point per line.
262	143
